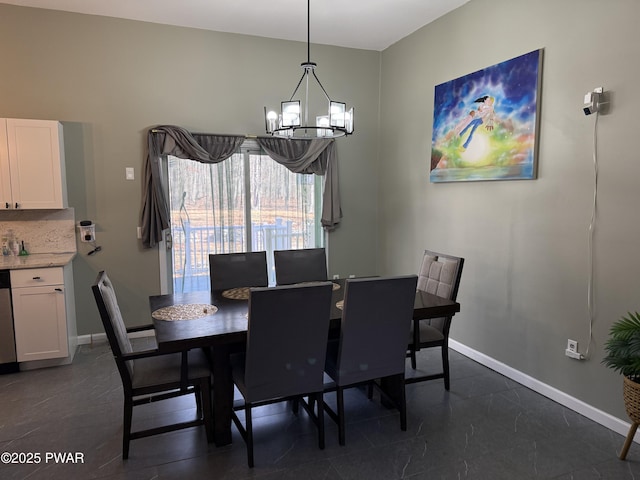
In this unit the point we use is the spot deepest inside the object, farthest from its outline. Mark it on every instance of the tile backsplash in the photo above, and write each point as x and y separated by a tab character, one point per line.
43	231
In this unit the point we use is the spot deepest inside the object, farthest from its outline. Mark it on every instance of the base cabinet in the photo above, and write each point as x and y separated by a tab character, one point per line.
43	314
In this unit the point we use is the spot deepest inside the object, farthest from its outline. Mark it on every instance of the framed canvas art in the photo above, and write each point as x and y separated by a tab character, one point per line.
485	124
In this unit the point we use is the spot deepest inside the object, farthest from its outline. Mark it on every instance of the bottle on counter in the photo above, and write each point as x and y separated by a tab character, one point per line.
5	245
23	251
11	241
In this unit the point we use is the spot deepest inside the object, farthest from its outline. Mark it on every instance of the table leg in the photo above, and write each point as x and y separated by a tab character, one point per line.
393	387
184	371
222	395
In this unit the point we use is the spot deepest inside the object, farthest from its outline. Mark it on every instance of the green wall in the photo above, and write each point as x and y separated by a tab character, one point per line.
524	285
109	80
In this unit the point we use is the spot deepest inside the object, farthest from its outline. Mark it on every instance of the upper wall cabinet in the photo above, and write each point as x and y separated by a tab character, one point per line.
32	174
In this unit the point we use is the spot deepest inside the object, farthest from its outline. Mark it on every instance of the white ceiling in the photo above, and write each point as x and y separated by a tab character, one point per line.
366	24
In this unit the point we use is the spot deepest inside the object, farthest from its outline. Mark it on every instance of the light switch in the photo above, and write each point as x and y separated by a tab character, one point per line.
129	173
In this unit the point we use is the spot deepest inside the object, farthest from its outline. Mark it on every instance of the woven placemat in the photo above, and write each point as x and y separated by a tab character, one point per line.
334	286
189	311
240	293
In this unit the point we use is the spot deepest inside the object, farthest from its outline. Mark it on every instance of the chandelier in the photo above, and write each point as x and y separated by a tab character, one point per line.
293	121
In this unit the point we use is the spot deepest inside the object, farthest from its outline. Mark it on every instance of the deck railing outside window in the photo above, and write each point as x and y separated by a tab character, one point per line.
192	246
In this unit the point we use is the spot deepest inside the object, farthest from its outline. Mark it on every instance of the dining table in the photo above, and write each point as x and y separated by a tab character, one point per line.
220	326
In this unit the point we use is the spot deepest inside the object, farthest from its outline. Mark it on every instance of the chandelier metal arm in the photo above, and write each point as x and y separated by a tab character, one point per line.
323	90
298	86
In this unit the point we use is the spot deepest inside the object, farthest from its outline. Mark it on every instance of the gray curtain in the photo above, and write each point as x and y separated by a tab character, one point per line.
315	156
176	141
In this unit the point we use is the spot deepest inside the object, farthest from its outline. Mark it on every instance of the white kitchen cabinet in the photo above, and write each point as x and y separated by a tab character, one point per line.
32	170
43	315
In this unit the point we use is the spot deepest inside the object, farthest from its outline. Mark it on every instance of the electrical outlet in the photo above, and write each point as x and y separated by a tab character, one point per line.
336	276
572	350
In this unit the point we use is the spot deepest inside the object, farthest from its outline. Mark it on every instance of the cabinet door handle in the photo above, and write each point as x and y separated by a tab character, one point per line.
36	278
58	289
7	205
17	206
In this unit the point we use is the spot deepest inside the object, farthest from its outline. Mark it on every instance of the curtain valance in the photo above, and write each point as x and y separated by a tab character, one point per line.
176	141
315	156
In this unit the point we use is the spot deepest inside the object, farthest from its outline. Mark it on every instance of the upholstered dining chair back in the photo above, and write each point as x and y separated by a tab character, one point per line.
440	274
233	270
298	266
286	340
113	324
376	319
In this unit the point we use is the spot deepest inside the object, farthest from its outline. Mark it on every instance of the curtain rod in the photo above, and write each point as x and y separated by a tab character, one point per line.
155	130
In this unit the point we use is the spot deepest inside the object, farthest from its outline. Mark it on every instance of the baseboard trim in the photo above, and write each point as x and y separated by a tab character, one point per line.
592	413
94	338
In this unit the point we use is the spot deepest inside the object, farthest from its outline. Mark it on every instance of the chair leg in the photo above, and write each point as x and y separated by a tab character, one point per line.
402	404
340	406
207	413
248	423
629	440
249	429
416	343
198	394
126	426
445	366
320	416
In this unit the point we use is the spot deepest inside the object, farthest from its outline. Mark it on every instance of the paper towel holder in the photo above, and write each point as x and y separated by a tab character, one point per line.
87	231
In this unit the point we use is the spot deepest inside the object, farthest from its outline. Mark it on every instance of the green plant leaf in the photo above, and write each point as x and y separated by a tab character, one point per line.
626	326
623	346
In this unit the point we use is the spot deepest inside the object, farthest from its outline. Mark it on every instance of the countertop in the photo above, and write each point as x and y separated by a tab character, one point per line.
36	260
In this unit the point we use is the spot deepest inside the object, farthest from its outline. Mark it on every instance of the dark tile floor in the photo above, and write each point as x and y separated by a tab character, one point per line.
486	427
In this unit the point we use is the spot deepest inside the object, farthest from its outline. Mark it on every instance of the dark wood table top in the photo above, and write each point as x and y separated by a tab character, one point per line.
226	332
229	324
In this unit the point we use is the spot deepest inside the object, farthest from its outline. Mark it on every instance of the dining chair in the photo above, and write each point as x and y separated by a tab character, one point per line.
149	376
233	270
298	266
439	275
376	319
287	335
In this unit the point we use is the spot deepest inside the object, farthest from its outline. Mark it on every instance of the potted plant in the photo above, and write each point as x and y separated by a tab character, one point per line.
623	355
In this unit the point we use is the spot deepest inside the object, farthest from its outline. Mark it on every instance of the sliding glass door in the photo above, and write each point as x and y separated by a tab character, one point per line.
249	202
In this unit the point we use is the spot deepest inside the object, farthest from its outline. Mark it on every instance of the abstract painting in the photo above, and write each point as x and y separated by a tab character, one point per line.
485	124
